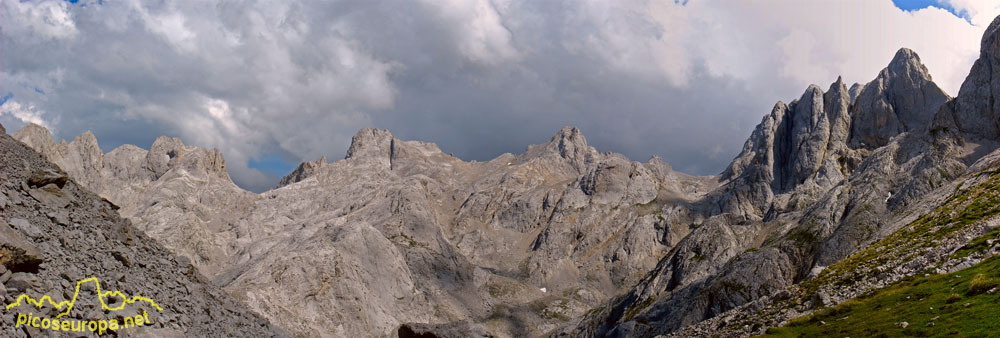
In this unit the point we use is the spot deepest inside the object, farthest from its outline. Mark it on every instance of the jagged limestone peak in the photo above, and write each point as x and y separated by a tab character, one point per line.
903	98
303	171
370	142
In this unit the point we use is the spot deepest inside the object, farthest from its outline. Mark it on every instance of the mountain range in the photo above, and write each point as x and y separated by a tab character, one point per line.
834	196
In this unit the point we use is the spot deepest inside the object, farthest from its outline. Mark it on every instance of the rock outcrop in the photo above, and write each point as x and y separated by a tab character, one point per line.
303	171
182	186
902	98
974	113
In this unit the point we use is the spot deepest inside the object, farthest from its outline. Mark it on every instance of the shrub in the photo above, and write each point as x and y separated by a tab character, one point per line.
980	284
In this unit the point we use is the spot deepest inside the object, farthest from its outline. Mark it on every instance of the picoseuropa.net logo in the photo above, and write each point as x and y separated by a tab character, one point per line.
81	325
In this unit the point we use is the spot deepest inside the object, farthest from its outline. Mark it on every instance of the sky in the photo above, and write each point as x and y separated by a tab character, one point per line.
271	84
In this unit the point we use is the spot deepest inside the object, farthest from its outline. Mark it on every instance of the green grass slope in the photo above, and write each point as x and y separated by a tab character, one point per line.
958	304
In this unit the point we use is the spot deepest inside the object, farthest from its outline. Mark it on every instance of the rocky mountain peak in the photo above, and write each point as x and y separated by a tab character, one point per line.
567	141
854	91
303	171
902	98
907	62
794	144
974	111
34	136
570	144
370	144
86	139
838	87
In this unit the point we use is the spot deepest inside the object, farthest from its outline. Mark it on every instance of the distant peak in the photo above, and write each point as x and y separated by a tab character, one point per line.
838	86
905	55
567	142
35	136
907	63
35	129
370	142
87	137
855	90
567	131
303	171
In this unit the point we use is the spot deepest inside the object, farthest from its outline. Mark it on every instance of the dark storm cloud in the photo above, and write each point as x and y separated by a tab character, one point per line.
260	79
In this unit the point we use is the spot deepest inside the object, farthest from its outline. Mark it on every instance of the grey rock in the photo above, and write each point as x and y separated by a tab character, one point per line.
44	177
973	112
50	253
902	98
303	171
22	281
16	252
797	146
26	227
854	91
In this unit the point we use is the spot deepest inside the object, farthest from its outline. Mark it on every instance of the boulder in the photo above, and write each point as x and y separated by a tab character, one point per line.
17	253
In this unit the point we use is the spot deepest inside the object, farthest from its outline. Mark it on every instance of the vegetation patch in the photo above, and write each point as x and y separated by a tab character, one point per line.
407	240
958	304
635	310
979	244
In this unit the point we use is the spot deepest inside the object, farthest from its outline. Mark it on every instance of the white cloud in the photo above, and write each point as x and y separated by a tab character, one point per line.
481	36
809	42
979	12
41	19
24	113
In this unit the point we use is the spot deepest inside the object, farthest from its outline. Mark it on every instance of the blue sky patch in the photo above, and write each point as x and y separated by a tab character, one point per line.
5	98
99	2
913	5
272	164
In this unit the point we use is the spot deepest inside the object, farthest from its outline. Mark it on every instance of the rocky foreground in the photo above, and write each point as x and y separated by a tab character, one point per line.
834	194
54	233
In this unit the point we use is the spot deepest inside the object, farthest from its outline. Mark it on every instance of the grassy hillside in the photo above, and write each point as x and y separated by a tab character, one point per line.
960	304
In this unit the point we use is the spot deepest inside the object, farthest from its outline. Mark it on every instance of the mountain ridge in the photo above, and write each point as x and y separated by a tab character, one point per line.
561	239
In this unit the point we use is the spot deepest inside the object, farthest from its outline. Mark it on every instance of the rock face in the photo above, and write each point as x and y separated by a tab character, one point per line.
799	147
302	172
154	189
902	98
974	112
54	233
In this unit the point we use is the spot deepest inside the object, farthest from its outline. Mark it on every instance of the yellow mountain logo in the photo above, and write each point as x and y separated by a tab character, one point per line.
79	325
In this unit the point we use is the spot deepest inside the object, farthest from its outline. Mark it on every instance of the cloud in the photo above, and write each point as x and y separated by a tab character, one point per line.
44	20
294	80
24	114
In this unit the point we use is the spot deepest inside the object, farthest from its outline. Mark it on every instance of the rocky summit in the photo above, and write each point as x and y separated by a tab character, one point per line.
836	196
